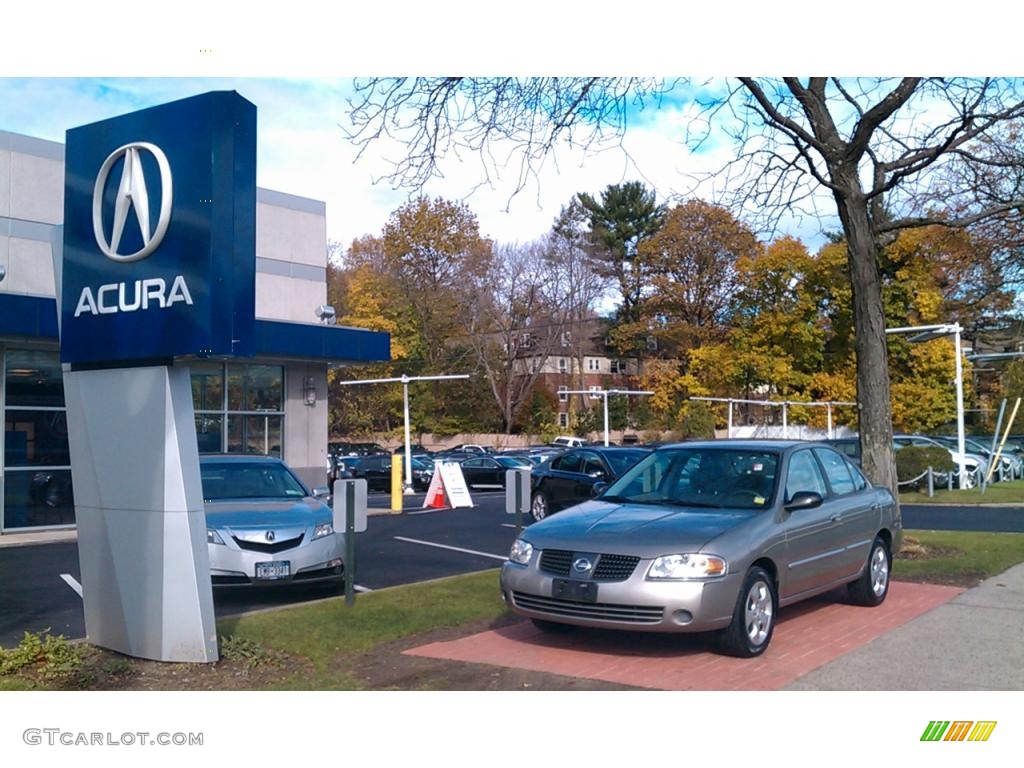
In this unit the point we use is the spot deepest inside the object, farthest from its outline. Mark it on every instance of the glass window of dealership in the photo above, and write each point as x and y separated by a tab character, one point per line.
239	409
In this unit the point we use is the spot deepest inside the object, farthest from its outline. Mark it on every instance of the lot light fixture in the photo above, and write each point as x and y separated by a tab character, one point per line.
928	333
603	393
404	380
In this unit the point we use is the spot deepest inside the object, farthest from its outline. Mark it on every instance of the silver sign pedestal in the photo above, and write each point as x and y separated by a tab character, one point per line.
139	508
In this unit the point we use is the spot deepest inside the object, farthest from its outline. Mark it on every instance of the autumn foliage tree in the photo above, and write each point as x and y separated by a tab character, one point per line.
875	151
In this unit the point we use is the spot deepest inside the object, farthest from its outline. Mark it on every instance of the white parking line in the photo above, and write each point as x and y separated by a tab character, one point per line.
361	588
507	525
454	549
71	582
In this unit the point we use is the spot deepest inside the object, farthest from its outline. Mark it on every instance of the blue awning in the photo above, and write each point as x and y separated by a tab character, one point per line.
33	316
36	317
327	343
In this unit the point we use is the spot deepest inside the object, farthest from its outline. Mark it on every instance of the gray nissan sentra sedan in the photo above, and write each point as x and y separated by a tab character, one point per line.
709	536
263	526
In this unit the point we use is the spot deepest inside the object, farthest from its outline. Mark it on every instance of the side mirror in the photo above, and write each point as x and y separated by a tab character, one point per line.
804	500
321	492
598	488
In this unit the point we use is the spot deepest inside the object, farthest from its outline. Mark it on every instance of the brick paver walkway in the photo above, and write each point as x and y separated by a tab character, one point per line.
807	635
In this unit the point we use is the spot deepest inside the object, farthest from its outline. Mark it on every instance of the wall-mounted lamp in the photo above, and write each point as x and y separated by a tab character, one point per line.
326	314
309	392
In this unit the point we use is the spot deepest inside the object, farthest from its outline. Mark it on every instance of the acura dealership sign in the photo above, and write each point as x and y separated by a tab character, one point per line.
160	234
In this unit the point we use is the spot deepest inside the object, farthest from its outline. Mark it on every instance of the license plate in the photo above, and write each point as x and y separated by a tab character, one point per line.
580	591
279	569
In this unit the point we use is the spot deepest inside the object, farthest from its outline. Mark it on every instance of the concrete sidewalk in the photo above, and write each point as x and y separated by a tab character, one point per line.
972	642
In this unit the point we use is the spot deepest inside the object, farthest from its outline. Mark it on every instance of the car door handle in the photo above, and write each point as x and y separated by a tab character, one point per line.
835	518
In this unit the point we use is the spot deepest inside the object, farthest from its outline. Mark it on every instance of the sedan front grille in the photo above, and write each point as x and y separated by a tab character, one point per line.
615	567
556	561
627	614
609	567
269	547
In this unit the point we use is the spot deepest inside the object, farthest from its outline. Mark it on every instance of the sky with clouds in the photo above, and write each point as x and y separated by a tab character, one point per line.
279	63
303	150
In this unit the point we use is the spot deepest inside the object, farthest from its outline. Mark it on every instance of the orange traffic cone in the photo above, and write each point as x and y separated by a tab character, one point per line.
437	500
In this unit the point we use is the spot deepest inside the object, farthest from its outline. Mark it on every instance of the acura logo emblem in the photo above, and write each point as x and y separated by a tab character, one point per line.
582	565
271	536
132	193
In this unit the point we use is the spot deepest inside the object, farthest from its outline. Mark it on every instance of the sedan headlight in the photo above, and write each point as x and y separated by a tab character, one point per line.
521	552
323	529
688	566
212	537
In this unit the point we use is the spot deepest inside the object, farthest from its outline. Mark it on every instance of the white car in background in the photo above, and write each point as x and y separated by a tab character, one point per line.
971	462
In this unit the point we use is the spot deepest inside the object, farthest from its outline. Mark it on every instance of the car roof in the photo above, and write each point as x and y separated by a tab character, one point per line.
743	444
236	458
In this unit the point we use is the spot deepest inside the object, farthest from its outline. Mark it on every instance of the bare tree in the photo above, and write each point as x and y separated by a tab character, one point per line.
509	302
879	150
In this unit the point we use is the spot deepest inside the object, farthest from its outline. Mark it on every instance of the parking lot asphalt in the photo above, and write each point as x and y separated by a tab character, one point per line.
38	583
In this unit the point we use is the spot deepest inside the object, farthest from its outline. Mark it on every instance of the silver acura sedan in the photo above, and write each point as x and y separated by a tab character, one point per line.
709	536
264	527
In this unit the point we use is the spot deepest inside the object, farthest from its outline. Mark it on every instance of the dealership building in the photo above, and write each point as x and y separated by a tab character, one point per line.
272	401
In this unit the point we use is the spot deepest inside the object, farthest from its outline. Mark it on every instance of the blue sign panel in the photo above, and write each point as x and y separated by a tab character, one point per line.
160	234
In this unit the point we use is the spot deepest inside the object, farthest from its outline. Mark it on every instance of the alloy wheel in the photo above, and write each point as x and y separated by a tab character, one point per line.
759	612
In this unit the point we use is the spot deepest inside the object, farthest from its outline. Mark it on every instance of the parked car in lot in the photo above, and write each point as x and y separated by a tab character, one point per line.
1010	462
709	536
264	526
489	471
342	448
971	462
376	470
341	467
572	476
471	448
415	449
567	441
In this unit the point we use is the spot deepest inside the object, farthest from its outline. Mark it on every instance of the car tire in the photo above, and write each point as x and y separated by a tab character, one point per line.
871	587
540	507
552	627
753	618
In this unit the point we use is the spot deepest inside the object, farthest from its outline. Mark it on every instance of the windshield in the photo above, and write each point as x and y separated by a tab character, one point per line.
249	481
623	460
700	477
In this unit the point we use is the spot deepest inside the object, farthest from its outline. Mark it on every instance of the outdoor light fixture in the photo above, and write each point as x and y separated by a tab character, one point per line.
326	314
928	333
309	391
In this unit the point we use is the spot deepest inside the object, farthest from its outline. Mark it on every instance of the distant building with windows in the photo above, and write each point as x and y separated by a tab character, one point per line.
580	358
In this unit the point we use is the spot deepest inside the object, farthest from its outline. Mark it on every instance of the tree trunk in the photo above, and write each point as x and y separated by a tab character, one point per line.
875	422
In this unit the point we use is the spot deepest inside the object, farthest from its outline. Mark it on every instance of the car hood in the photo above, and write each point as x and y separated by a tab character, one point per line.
639	529
278	513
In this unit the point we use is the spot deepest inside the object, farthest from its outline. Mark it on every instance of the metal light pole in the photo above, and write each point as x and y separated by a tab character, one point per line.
928	333
404	381
604	394
776	404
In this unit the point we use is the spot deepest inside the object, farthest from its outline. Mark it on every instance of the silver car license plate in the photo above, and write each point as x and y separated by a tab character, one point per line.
279	569
577	591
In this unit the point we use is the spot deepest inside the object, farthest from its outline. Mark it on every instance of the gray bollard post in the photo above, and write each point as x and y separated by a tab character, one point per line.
931	483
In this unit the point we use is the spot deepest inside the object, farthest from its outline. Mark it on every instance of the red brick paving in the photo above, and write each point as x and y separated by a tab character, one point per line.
807	635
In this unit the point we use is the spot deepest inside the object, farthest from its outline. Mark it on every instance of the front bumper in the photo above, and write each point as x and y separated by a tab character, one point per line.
310	562
634	604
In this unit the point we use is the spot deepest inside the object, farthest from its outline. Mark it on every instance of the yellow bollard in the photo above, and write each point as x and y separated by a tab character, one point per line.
397	483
